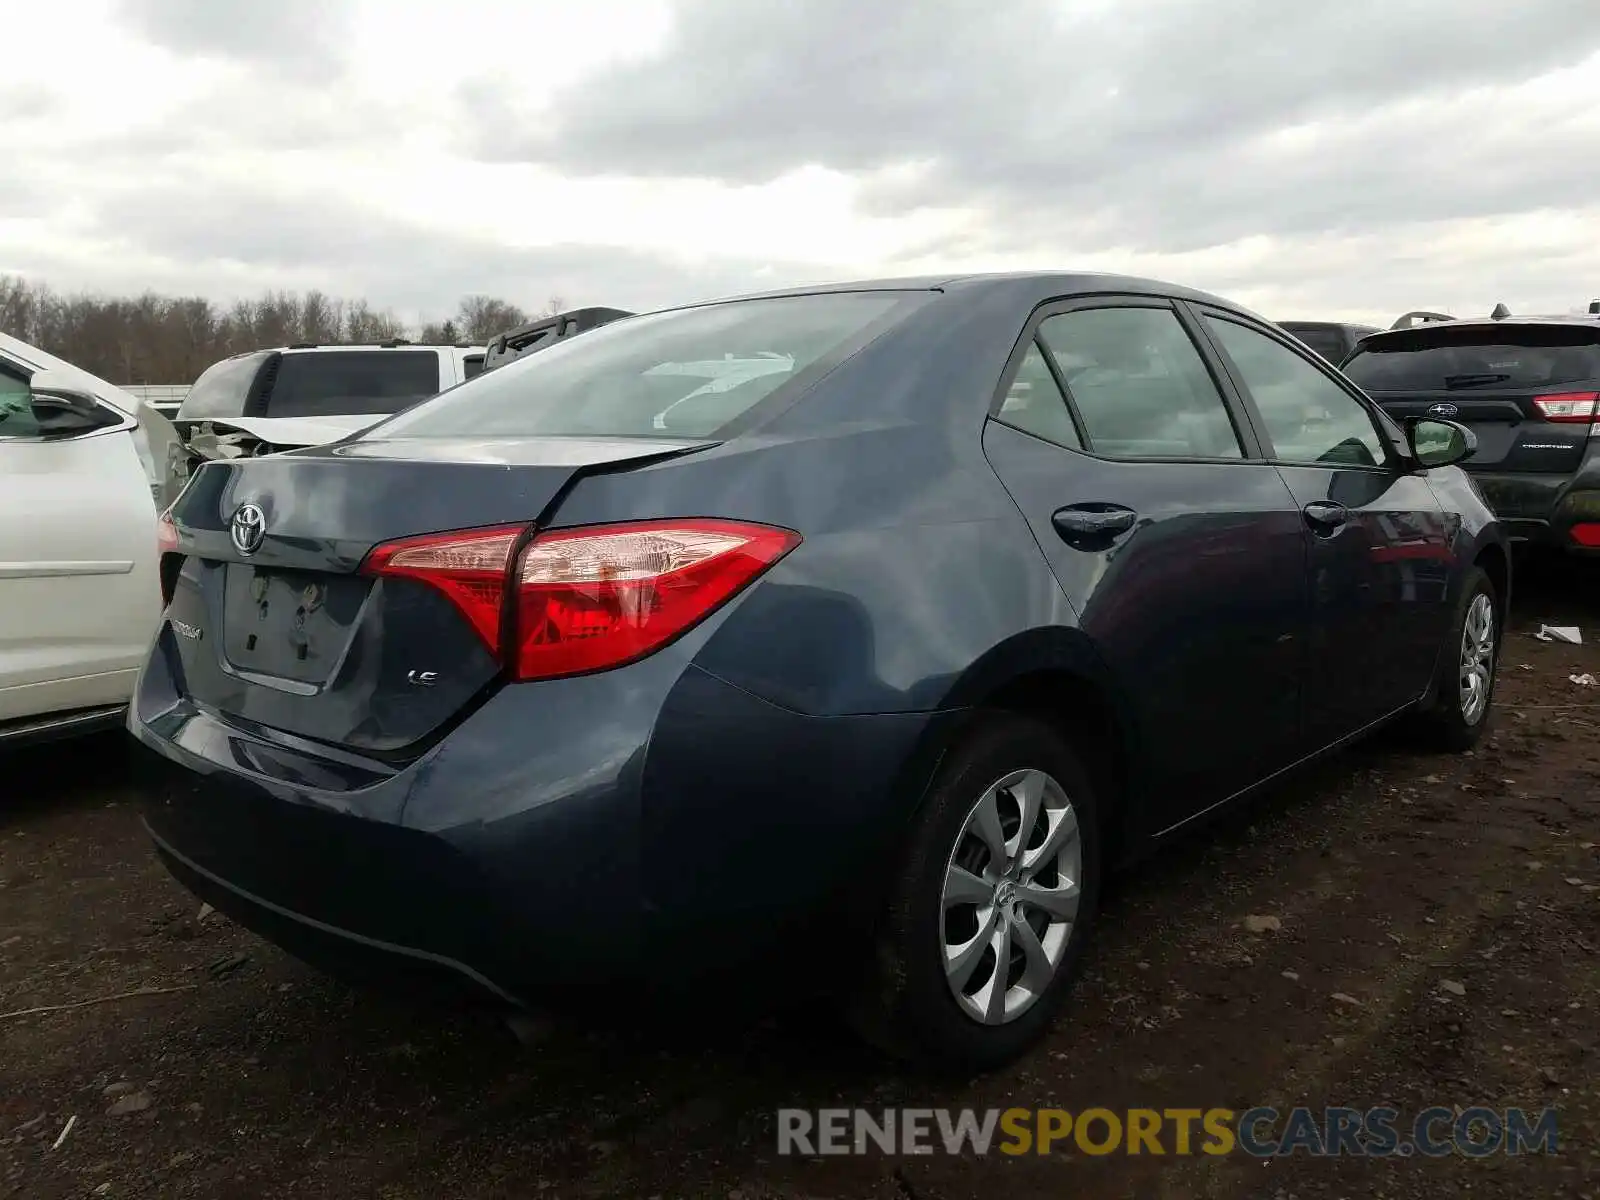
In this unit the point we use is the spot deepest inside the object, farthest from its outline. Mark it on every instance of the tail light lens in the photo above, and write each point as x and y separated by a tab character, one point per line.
468	567
1587	533
1569	407
166	534
167	566
591	598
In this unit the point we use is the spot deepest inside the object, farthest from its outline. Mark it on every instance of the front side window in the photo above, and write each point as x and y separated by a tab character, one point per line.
16	405
1309	418
1139	384
681	373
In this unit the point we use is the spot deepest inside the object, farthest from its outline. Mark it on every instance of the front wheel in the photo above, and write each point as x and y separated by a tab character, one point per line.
1464	688
992	903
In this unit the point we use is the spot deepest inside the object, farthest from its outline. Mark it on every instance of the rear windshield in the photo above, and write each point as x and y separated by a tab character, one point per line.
1326	340
1455	359
222	388
327	383
682	373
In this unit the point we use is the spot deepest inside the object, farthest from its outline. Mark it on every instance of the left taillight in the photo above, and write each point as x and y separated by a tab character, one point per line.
591	598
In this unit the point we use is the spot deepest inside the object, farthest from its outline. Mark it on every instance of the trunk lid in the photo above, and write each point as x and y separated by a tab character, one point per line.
1491	376
279	628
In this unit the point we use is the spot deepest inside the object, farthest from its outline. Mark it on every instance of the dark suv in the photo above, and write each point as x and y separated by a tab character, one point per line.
1333	340
1528	387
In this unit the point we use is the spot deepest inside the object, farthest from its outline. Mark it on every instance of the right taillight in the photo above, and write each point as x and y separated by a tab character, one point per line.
1571	407
591	598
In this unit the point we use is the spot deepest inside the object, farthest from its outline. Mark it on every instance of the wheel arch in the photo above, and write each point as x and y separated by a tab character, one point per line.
1496	564
1056	675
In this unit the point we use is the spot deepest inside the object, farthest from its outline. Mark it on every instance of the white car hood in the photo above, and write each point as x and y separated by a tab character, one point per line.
293	432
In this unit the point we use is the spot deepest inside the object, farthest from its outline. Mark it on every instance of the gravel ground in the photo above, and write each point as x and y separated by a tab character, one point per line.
1452	903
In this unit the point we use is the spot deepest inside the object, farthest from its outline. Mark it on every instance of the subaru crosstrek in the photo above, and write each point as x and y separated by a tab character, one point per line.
1529	388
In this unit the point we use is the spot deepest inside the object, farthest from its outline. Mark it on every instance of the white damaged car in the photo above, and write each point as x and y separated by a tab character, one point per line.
85	470
264	401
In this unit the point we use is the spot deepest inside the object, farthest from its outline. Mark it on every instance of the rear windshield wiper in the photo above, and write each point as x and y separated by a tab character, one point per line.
1481	379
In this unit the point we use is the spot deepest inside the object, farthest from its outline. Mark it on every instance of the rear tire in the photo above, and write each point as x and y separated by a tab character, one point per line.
1459	709
969	880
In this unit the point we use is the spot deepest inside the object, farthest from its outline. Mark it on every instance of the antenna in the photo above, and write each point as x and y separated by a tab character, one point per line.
1500	313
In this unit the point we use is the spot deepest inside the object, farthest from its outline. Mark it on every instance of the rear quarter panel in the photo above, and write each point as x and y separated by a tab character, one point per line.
1475	528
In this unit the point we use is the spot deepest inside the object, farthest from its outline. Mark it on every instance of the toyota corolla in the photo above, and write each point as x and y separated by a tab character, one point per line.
839	638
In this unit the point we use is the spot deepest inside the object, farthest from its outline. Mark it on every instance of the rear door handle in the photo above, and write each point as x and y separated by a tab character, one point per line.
1080	521
1326	515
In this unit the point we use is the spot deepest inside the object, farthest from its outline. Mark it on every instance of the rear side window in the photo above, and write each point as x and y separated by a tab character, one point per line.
352	382
223	388
1448	359
472	365
682	373
1139	384
1034	403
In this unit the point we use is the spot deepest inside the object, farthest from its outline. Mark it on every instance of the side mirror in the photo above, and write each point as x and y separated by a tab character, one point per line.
62	409
1437	443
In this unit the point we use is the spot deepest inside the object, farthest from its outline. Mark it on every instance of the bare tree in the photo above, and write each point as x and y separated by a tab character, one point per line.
166	339
482	317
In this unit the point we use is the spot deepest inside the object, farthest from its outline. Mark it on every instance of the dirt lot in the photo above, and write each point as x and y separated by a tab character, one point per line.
1395	878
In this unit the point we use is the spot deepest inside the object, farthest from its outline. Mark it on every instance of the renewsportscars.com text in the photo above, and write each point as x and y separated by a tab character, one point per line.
1259	1132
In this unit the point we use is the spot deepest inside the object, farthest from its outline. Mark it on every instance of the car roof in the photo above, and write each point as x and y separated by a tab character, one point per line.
41	360
1041	285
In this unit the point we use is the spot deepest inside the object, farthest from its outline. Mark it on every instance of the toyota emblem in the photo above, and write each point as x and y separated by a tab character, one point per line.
1442	410
249	527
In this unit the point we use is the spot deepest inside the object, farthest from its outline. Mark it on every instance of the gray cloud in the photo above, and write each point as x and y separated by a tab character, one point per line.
303	38
208	235
1135	125
18	103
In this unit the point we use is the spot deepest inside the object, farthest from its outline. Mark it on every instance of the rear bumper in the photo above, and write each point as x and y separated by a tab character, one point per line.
662	830
1554	511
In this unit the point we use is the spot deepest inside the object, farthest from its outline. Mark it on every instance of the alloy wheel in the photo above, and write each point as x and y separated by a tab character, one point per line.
1477	658
1011	893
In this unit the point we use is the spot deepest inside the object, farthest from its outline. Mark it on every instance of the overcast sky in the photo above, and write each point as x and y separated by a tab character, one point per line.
1351	159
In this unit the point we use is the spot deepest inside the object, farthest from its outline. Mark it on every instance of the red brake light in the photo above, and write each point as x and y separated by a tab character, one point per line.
1575	407
469	567
1587	533
167	568
594	597
166	534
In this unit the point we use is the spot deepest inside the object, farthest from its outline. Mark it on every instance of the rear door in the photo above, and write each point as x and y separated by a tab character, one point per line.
1377	536
1527	390
1180	550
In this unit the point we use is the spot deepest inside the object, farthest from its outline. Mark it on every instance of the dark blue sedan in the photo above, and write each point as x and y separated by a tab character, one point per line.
837	639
